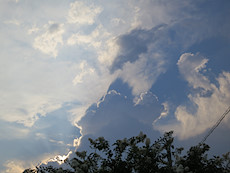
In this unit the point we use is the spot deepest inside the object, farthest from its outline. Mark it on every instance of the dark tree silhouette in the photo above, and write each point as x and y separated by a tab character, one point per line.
138	155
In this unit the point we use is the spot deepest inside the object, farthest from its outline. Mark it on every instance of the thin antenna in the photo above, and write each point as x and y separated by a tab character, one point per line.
215	125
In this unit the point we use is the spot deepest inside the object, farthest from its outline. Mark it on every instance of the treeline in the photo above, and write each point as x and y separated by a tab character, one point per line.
139	155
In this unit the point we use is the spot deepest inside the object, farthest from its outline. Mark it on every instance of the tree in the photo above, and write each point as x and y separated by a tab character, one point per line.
137	154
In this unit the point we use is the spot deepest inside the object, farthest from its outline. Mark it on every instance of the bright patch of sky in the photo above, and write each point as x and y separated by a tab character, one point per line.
74	69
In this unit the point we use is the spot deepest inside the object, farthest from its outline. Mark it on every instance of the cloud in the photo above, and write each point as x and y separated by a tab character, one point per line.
142	74
131	46
94	43
48	41
31	85
82	39
32	30
56	127
107	55
140	57
81	13
14	22
210	99
57	162
94	39
116	116
159	12
24	99
163	113
84	71
190	66
50	135
13	131
14	166
42	86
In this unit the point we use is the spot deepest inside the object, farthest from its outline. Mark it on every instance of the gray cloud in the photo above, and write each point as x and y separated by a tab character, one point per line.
176	36
117	116
54	27
132	45
56	127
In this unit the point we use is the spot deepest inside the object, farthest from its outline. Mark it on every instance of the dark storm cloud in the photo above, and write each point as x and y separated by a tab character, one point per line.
116	116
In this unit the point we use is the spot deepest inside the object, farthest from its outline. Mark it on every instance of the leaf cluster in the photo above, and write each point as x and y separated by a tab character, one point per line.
137	154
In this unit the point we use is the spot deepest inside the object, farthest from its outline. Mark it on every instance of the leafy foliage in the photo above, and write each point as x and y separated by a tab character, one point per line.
137	154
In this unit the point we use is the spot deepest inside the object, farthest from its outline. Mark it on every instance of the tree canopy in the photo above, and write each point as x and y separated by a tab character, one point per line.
139	155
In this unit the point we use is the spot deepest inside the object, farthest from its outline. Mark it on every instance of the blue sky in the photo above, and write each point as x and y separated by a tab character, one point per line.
76	69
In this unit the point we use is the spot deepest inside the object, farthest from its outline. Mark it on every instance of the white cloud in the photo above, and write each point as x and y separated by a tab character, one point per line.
81	13
32	30
142	74
85	70
34	90
163	113
40	135
152	13
190	66
94	39
18	166
51	134
211	101
57	162
106	56
146	98
48	41
14	166
117	21
134	75
31	85
79	39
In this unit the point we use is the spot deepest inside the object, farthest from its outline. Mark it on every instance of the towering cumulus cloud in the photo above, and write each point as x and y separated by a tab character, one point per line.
116	115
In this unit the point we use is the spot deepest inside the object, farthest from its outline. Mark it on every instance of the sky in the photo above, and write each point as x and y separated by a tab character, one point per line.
76	69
